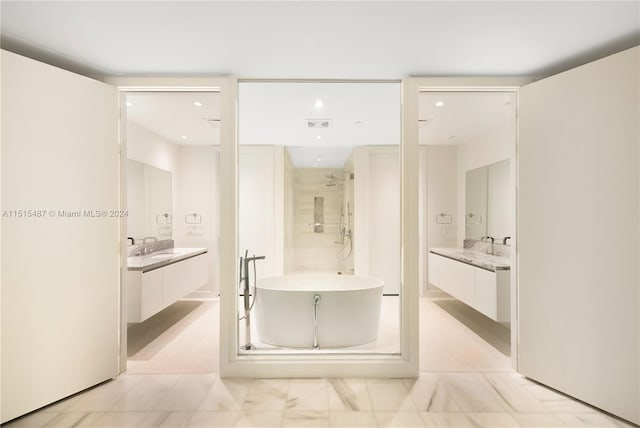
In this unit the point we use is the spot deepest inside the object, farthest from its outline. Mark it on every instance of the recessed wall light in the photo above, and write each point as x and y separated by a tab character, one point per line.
319	103
439	103
198	103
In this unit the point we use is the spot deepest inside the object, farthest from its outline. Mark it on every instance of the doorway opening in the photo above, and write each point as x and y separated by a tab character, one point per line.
319	235
468	223
172	195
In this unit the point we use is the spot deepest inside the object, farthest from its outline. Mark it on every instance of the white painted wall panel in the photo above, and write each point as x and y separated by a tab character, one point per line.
257	200
60	276
199	192
579	228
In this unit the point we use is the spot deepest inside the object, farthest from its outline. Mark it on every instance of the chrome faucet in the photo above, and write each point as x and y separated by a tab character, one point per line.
490	248
244	279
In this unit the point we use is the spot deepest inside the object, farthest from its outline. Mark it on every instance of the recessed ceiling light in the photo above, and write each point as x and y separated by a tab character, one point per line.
319	103
318	137
198	103
184	137
129	104
439	103
452	137
357	122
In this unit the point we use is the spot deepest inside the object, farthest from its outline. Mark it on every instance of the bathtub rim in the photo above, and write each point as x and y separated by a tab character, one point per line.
377	283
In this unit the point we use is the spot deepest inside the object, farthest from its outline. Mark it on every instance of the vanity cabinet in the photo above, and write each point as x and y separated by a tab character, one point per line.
151	296
485	291
152	291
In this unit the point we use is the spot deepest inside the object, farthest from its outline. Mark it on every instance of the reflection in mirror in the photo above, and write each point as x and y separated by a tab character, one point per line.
148	202
487	201
319	186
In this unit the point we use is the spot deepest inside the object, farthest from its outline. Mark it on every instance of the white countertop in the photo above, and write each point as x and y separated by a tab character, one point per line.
162	258
474	257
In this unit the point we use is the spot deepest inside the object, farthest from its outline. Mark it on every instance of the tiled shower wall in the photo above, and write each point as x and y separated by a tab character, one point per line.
317	251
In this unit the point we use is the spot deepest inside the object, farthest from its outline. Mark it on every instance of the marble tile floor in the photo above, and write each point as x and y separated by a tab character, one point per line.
172	381
461	399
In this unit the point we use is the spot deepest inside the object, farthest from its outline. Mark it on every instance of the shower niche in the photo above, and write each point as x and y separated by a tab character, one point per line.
319	198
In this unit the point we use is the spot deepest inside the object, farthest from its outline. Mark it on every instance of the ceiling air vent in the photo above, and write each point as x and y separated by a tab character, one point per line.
318	123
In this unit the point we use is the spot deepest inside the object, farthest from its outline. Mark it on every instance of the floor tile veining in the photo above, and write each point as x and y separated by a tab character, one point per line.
164	390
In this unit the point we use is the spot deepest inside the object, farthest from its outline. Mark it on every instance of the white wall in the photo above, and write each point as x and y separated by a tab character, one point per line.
579	226
261	231
60	275
438	171
149	148
442	176
198	192
377	214
195	188
289	213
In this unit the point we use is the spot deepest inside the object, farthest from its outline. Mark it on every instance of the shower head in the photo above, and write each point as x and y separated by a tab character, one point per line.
332	180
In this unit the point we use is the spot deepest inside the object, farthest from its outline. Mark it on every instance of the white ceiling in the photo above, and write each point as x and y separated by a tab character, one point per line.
173	115
318	40
357	114
328	39
463	116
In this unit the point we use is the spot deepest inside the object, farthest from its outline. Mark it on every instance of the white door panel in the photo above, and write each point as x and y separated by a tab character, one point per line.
60	266
578	252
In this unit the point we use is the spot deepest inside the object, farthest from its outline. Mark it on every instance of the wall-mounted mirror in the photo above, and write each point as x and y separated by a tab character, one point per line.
487	201
148	202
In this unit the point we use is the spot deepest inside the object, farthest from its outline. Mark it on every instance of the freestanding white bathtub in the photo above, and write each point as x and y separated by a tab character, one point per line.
348	310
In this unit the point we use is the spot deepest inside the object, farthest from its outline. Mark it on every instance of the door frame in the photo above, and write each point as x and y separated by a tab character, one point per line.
225	86
474	84
406	364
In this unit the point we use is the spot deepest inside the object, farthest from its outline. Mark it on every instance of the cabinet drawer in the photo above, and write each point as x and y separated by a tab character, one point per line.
486	295
179	280
202	264
434	269
151	293
457	279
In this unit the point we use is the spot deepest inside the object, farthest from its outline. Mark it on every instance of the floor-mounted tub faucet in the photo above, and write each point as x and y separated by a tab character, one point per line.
244	279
